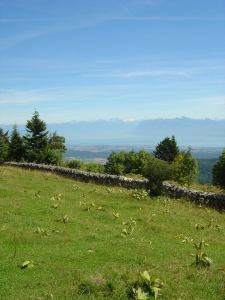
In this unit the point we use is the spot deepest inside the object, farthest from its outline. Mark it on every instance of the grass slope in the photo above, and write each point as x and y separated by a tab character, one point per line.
68	230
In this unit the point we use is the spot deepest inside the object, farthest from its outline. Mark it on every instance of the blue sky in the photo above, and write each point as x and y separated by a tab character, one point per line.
102	59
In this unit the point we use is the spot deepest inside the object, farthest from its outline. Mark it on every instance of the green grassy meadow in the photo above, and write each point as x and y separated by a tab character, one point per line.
70	232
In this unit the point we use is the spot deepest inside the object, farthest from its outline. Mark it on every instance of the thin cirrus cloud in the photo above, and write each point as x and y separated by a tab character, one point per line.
59	94
21	97
136	74
11	41
85	21
219	100
21	20
175	18
48	27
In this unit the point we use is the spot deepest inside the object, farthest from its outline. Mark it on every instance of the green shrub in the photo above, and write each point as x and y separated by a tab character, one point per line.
74	164
157	171
93	167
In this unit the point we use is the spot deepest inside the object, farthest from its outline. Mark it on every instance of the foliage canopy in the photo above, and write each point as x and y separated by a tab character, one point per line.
35	146
218	171
185	168
167	149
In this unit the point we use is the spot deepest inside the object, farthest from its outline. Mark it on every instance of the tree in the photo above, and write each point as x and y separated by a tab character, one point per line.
36	139
167	149
186	168
52	154
218	171
4	135
16	150
127	163
3	149
56	142
4	143
115	163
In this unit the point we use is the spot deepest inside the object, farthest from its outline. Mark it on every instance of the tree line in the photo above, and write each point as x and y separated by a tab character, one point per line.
37	145
167	162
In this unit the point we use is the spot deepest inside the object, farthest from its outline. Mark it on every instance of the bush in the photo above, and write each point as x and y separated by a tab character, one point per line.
157	171
127	163
94	167
75	164
116	163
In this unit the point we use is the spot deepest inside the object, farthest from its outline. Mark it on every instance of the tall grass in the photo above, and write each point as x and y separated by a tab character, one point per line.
70	233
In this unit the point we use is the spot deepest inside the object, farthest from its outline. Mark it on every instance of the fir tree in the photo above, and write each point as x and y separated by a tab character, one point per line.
167	149
36	139
4	144
16	150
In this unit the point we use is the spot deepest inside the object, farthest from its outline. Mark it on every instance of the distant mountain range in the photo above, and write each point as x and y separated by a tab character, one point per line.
187	131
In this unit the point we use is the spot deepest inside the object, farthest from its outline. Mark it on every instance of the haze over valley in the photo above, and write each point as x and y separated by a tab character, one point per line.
149	132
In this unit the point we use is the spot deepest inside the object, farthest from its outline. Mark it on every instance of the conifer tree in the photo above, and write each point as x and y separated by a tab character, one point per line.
167	149
36	139
4	143
3	149
16	150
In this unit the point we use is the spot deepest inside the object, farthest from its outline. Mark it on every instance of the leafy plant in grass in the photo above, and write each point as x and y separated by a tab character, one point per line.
185	239
147	285
139	294
200	226
130	227
26	265
202	258
64	219
140	194
87	205
116	215
58	198
42	231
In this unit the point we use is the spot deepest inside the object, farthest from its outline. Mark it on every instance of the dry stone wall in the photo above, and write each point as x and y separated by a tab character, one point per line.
97	178
216	201
210	199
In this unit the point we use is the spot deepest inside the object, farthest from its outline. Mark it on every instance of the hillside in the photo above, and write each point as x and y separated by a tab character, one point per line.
62	239
205	170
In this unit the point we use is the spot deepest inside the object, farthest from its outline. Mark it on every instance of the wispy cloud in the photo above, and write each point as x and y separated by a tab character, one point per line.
78	94
13	40
21	97
126	10
218	100
175	18
21	20
47	27
137	74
